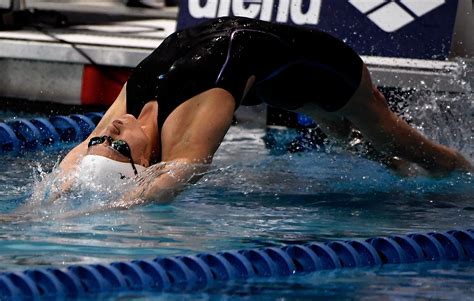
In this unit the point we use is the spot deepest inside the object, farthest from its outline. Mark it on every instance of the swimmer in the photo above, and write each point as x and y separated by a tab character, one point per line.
179	102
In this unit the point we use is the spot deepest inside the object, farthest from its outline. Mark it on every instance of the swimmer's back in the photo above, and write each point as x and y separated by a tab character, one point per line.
225	52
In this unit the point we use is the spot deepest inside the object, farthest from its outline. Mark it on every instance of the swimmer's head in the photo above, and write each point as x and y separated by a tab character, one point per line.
123	148
140	135
108	160
99	170
126	128
119	146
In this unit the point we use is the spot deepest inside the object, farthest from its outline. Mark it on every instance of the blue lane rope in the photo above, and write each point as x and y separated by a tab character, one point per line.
197	272
19	134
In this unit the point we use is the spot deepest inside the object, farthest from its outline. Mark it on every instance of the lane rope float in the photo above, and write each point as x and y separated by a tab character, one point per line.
200	271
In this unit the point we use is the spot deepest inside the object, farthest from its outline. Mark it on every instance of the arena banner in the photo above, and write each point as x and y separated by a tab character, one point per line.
401	28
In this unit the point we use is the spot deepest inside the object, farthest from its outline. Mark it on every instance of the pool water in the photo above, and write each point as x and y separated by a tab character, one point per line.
255	197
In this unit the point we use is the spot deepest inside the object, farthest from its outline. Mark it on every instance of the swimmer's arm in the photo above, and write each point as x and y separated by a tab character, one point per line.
161	183
177	175
190	136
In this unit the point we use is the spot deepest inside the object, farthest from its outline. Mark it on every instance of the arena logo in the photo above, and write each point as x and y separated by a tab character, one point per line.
390	16
300	12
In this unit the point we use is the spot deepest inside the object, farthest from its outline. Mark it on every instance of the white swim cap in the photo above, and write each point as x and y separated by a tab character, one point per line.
100	170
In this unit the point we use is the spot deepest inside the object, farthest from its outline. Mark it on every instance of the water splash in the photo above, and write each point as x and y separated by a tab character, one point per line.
445	117
57	196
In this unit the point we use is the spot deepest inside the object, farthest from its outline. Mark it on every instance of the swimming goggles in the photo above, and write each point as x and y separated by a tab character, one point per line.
119	145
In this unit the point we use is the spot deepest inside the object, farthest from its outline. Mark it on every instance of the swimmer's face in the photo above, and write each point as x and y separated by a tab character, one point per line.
128	129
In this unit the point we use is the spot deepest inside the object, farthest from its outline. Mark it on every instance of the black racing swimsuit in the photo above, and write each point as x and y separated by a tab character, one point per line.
293	66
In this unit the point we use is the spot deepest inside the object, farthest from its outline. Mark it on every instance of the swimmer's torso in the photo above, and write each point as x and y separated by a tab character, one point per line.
288	63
